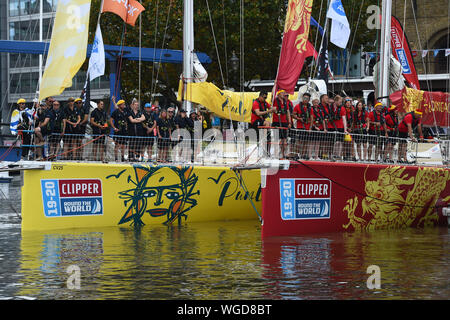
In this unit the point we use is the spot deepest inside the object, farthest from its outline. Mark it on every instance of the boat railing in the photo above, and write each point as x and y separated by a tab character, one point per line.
235	148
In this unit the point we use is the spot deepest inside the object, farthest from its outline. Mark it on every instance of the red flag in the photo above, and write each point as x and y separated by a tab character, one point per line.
295	47
434	105
128	10
402	52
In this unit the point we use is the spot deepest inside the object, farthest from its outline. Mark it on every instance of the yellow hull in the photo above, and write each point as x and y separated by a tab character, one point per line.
84	195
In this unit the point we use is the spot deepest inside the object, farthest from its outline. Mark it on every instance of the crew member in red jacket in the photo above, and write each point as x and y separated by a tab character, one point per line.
282	120
302	115
406	128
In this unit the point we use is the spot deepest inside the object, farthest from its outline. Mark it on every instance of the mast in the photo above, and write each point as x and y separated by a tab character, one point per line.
188	48
385	37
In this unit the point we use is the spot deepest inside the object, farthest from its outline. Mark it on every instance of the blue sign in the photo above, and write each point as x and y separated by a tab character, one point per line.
305	199
403	59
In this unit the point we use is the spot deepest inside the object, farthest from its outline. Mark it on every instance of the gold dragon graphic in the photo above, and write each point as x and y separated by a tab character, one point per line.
298	14
384	206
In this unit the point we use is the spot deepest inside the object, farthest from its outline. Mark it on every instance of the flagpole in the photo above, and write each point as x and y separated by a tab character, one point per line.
325	29
385	52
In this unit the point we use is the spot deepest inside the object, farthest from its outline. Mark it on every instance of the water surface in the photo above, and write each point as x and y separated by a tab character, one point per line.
226	260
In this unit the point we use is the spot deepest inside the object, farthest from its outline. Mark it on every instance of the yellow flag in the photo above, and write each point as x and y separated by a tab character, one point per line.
68	46
224	103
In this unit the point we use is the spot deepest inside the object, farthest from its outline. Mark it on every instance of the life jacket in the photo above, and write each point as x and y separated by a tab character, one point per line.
318	115
283	108
414	123
379	119
305	112
262	108
357	119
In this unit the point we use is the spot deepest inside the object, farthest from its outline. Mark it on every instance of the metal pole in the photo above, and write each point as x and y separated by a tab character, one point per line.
41	9
385	51
188	48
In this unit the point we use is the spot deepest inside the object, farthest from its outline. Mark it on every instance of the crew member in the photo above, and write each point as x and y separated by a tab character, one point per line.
99	123
119	123
302	115
164	133
24	124
282	119
360	130
318	129
260	117
392	128
72	120
377	131
339	120
135	131
56	128
149	130
83	111
406	129
328	136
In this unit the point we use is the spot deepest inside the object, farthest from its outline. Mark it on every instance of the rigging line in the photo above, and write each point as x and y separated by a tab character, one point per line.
215	44
429	86
351	47
225	40
325	29
317	36
154	47
119	62
163	43
139	65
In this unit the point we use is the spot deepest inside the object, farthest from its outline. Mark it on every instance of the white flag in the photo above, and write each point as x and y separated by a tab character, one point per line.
424	53
97	60
340	28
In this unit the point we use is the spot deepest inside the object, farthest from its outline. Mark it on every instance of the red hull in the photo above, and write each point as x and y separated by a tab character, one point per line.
320	197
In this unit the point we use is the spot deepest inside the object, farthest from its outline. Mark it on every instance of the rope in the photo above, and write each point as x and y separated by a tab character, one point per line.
243	186
74	149
215	43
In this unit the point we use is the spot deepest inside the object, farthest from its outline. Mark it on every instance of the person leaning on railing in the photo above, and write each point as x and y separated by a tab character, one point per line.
302	115
318	130
392	128
260	117
282	119
359	129
99	122
72	120
406	128
149	130
119	123
377	131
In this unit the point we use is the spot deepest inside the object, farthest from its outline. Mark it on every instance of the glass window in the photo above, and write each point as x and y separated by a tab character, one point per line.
47	29
34	6
14	60
25	7
13	31
15	86
13	8
48	5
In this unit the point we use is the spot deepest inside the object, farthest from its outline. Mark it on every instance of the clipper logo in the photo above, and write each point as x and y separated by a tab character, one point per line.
397	44
401	54
75	197
305	199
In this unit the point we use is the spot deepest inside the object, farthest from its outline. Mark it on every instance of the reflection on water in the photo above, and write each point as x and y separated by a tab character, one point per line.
225	260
